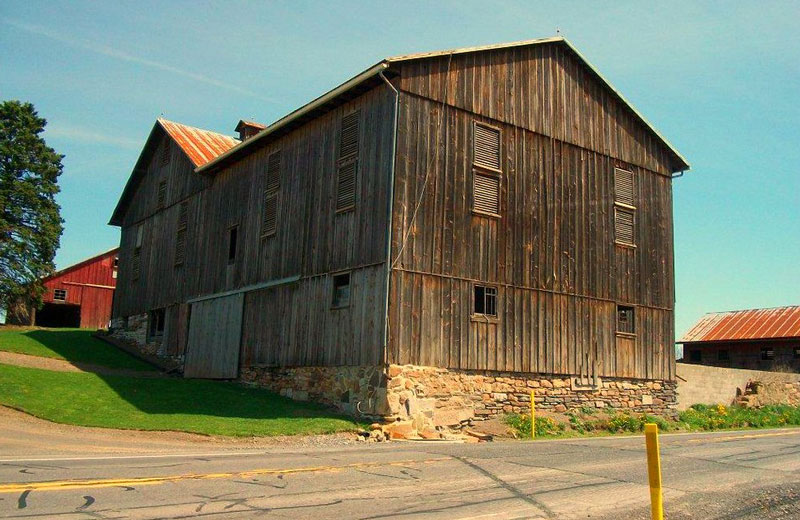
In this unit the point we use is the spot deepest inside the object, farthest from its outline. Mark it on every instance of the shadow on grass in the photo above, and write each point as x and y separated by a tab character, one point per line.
79	347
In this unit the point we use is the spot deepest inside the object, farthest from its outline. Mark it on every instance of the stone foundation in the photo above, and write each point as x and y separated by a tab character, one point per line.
763	393
358	391
437	397
133	331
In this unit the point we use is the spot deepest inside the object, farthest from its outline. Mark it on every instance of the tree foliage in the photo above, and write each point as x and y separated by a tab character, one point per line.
30	221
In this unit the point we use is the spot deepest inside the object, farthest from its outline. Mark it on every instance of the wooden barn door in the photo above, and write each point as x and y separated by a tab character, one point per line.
215	332
626	359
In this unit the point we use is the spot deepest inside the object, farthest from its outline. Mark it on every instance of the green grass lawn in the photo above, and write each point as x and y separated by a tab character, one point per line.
207	407
74	345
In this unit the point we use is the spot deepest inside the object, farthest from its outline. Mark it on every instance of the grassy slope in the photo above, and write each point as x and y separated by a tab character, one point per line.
208	407
75	345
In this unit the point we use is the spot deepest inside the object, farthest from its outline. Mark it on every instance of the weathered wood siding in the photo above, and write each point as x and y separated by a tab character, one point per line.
552	253
312	240
294	324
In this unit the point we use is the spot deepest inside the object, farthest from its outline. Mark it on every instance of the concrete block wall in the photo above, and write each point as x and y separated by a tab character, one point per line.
699	384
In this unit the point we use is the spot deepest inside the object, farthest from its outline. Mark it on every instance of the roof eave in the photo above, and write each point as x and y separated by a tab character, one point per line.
215	163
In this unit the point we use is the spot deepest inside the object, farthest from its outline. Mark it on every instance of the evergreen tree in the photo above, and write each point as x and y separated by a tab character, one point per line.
30	221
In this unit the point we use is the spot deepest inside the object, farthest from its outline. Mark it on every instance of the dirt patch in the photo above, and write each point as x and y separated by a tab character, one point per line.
22	435
61	365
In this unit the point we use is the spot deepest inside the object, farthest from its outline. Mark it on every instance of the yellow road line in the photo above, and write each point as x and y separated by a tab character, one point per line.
745	436
58	485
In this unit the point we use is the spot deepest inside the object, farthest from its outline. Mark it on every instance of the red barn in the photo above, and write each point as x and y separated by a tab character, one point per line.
77	296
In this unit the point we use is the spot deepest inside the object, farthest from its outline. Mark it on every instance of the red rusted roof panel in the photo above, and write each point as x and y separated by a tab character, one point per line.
778	322
200	145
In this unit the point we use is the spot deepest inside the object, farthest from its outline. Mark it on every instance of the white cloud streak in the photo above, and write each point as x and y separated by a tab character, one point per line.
89	136
111	52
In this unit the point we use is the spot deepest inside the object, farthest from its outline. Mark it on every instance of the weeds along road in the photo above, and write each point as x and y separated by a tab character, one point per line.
752	474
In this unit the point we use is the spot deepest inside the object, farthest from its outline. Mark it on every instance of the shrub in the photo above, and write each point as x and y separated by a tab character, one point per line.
545	426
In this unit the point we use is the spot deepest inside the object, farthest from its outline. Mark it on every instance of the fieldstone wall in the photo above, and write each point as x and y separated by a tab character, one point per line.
763	393
358	391
133	330
437	397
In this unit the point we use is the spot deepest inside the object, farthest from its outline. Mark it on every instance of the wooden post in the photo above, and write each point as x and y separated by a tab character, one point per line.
654	471
533	416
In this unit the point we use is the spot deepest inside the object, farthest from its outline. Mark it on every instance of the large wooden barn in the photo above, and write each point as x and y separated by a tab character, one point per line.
430	239
79	295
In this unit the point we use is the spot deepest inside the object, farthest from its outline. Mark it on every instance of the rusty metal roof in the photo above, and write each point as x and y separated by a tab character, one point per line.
201	146
778	322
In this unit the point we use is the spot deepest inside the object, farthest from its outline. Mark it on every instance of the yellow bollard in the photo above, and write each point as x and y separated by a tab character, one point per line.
533	416
654	471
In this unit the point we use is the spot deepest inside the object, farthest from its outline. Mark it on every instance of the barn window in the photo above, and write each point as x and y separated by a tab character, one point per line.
155	324
626	319
695	356
767	354
269	221
162	194
60	295
136	265
341	291
723	355
624	207
485	301
487	169
797	352
347	166
232	243
180	235
486	146
165	152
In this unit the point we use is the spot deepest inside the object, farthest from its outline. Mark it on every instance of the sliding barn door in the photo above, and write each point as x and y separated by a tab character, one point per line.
215	332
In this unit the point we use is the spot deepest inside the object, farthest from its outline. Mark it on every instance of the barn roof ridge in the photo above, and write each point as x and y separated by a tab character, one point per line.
385	63
764	323
79	263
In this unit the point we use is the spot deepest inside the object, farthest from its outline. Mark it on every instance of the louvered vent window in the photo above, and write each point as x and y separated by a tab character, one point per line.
624	207
60	295
624	224
165	152
269	221
486	169
347	174
487	193
486	147
162	194
180	237
136	264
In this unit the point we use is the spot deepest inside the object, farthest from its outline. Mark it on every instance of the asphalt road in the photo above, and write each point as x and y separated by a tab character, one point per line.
754	474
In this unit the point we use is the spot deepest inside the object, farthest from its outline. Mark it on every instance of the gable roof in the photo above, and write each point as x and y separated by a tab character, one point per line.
80	264
200	146
775	323
371	77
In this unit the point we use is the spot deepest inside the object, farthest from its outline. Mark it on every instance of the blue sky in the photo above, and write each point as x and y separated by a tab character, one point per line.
719	79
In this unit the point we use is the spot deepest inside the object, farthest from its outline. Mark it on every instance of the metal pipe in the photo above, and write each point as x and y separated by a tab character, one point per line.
389	212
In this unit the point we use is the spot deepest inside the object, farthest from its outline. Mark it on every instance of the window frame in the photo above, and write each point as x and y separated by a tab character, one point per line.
625	308
767	353
156	323
58	291
633	208
344	161
336	304
484	316
487	171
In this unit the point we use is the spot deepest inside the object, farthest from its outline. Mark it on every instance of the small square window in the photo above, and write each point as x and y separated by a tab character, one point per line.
695	356
485	301
797	352
232	239
723	355
60	295
767	354
626	319
341	291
